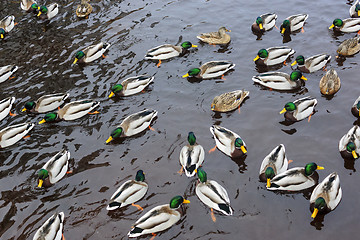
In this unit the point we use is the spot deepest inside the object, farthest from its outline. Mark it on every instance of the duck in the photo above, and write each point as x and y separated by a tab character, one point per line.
349	144
52	228
6	25
296	179
129	192
71	111
273	56
280	80
212	194
191	155
299	109
356	107
6	72
14	133
229	101
274	163
213	69
133	124
158	218
54	169
29	6
293	23
91	53
228	142
167	51
131	86
46	103
349	47
216	38
355	9
5	107
330	83
348	25
326	196
313	63
48	12
264	22
84	9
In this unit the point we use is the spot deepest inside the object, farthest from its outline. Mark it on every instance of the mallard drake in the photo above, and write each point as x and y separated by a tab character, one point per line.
299	109
355	9
71	111
129	192
131	86
211	69
356	107
5	107
6	72
12	134
349	144
54	169
273	56
311	64
326	196
6	25
133	124
219	37
84	9
330	83
348	25
296	179
29	5
91	53
167	51
159	218
228	142
293	23
264	22
191	156
229	101
48	12
349	47
46	103
52	229
280	80
274	163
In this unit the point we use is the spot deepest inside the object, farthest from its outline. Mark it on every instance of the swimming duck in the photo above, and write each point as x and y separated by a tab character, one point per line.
167	51
84	9
296	179
46	103
6	25
349	144
330	83
356	107
191	156
52	229
349	47
159	218
229	101
54	169
5	107
131	86
212	194
293	23
29	5
326	196
311	64
219	37
6	72
48	12
91	53
12	134
274	163
280	80
355	9
133	124
211	69
348	25
71	111
299	109
228	142
264	22
273	56
129	192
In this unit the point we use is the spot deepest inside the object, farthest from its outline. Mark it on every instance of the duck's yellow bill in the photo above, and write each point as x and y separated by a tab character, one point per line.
320	168
332	25
261	26
2	36
186	201
268	184
109	139
40	183
359	13
75	61
293	63
193	45
256	58
282	111
111	94
23	110
186	75
354	154
212	107
243	149
39	14
227	30
313	215
303	78
42	121
282	30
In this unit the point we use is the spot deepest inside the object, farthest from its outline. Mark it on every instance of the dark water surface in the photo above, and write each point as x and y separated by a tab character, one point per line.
44	53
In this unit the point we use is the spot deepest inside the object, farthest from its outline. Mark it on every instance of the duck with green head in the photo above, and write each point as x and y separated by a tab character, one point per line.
192	156
46	103
355	109
264	22
355	9
91	53
29	6
349	144
280	80
213	69
48	12
348	25
273	56
6	25
313	63
299	109
131	86
216	38
293	23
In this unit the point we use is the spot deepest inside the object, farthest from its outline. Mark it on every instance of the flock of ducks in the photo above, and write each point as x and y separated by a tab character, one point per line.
274	168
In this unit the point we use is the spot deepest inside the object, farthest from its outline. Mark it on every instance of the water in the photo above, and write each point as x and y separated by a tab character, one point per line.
44	53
